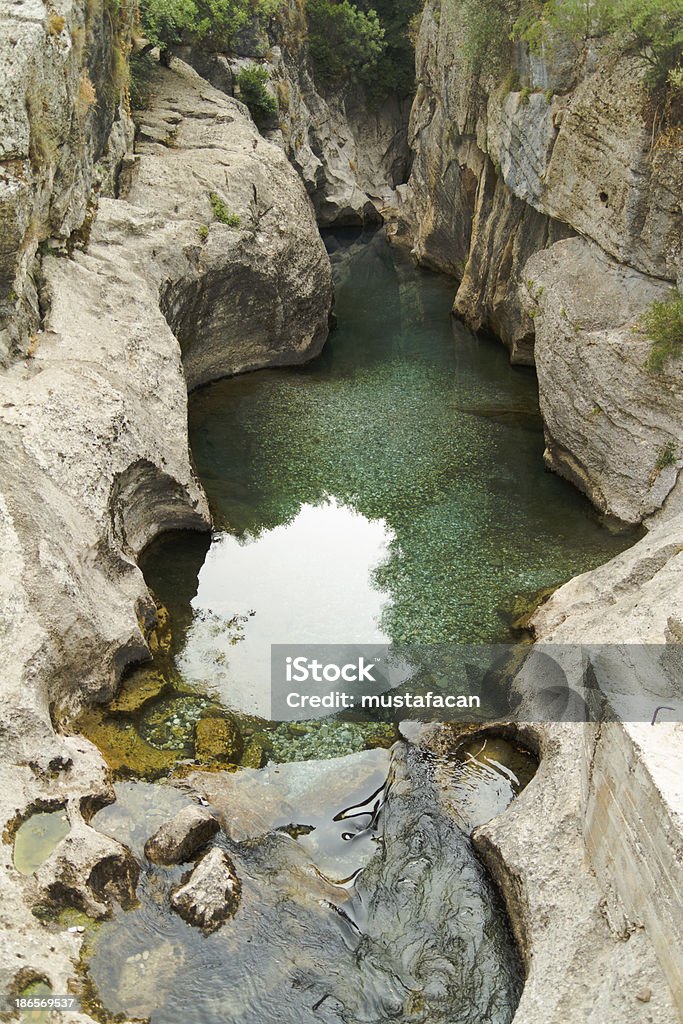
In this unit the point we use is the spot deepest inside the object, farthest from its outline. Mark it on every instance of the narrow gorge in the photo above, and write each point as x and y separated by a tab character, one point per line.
294	355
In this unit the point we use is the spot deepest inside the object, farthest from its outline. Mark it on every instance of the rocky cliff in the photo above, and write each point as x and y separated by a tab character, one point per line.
351	152
558	208
211	264
64	127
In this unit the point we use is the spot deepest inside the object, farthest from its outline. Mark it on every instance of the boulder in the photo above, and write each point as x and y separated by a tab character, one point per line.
179	839
210	894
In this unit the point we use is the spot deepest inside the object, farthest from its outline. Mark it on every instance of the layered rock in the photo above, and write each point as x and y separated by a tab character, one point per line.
612	427
499	177
95	459
63	130
351	152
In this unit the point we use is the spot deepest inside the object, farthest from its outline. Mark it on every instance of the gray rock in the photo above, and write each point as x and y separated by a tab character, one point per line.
179	839
210	894
607	417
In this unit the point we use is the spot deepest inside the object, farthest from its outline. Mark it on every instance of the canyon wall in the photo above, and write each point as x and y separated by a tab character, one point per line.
201	258
350	151
558	207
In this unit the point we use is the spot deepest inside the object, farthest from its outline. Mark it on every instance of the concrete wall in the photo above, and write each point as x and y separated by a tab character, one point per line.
633	829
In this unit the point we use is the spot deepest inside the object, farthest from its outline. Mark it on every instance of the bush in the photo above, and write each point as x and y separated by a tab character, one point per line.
252	85
663	323
652	29
343	39
167	23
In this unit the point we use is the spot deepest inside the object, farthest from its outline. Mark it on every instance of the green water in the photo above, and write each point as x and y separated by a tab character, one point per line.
37	837
391	490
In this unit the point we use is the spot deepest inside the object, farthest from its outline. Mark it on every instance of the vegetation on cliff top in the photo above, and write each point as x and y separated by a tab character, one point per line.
167	23
369	41
650	29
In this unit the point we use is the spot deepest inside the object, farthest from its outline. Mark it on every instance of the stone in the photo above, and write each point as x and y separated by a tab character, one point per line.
179	839
210	894
606	416
644	995
218	739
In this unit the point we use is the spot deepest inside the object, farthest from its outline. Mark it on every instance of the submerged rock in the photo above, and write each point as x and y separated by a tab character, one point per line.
218	740
180	838
210	894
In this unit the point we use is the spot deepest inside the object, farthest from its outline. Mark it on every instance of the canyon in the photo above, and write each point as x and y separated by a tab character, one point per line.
121	290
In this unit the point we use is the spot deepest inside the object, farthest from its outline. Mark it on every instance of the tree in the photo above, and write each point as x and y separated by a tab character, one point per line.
343	39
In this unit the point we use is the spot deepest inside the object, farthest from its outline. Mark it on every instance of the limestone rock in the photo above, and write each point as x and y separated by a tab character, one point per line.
90	871
498	176
210	894
178	840
607	418
58	147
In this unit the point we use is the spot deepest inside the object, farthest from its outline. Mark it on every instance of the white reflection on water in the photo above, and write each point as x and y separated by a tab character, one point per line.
308	581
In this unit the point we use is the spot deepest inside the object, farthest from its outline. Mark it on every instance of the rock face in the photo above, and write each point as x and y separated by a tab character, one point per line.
94	459
179	839
211	893
224	233
501	181
351	153
609	422
63	131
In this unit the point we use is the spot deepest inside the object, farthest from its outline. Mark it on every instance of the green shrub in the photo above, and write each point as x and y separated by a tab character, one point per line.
663	323
487	28
652	29
222	212
203	232
167	23
344	40
252	85
667	456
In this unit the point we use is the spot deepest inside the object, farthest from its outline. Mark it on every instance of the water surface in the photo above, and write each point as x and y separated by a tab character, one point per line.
393	490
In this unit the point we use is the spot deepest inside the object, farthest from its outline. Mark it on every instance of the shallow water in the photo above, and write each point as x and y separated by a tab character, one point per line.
362	899
37	837
391	491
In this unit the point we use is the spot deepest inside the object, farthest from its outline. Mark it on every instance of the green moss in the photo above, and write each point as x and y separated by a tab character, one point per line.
218	740
203	232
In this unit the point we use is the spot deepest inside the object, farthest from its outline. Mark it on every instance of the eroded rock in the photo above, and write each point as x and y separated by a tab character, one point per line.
210	894
179	839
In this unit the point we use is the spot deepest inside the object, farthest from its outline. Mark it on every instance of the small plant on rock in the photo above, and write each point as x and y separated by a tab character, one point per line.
252	82
663	323
667	456
222	212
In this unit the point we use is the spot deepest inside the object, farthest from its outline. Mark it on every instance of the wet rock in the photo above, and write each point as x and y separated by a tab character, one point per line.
254	755
179	839
218	740
136	689
211	893
89	871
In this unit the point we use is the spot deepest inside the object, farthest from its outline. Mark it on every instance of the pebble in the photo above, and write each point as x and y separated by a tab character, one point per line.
76	928
644	995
